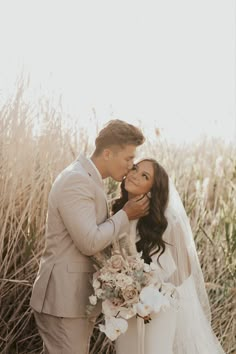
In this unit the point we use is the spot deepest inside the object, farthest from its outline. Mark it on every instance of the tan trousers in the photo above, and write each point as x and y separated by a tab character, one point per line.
64	335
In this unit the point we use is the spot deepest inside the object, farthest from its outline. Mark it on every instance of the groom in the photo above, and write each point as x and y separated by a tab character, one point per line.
78	226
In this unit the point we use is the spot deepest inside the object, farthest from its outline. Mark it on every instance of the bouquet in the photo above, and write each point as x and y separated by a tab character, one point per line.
128	287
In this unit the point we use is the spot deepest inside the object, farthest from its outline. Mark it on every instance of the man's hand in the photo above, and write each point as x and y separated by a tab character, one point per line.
137	207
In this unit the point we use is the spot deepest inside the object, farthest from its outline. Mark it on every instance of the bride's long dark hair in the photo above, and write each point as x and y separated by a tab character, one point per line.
152	226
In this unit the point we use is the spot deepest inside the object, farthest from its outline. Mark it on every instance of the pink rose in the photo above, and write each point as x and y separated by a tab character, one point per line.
116	263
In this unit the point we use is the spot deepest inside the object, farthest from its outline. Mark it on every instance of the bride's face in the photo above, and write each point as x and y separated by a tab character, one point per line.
140	179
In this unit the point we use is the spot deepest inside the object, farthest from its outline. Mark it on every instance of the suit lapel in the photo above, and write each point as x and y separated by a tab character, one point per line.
90	169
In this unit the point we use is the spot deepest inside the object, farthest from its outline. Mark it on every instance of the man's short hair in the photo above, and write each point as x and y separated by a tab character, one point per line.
118	133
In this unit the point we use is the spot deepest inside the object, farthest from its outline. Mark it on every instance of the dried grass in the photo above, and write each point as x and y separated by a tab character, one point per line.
205	175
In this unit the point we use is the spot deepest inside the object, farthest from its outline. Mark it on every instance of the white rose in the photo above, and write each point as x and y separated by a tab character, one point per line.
99	293
146	268
123	280
93	299
96	284
153	266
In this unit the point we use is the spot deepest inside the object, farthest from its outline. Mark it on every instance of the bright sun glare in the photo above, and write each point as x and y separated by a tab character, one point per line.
169	65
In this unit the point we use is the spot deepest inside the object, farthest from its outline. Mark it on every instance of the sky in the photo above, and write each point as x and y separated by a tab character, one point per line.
165	63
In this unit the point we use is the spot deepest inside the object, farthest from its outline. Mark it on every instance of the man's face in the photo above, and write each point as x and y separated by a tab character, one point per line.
120	161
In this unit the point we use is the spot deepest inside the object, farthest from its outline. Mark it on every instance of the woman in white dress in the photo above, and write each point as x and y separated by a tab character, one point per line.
164	236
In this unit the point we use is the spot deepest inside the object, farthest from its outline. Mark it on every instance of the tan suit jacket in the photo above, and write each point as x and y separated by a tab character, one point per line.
77	227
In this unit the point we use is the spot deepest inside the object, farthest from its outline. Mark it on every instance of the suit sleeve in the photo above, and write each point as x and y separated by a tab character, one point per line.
77	208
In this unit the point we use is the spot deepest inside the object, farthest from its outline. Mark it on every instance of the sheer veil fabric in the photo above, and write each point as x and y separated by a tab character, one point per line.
187	331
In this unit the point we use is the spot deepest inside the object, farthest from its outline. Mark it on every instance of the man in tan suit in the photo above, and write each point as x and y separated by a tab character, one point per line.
78	226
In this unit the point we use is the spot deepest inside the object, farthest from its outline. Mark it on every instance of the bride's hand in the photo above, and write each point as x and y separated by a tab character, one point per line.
137	207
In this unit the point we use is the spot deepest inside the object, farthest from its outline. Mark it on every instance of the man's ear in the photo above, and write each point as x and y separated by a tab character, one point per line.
107	153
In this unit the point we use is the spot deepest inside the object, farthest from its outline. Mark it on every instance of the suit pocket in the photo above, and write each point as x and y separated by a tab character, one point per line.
80	267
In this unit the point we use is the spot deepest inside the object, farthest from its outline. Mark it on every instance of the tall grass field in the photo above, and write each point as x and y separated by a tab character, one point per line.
35	145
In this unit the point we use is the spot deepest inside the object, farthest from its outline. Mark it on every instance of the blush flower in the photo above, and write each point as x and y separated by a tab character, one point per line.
130	294
116	263
127	287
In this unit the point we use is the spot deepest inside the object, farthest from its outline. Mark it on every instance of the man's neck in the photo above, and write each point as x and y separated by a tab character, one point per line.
98	162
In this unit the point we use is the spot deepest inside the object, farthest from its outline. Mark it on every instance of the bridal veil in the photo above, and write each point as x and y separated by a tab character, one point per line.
193	331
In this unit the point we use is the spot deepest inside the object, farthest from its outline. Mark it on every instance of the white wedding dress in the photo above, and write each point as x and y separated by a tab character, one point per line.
186	330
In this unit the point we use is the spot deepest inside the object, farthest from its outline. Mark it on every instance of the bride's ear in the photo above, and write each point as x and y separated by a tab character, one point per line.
149	195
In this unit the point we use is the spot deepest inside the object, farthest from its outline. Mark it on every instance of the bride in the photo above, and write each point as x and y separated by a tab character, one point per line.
165	237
